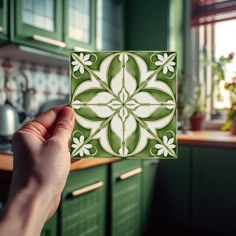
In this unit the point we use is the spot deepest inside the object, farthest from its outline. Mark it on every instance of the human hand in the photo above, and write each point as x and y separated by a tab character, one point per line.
40	169
41	166
41	154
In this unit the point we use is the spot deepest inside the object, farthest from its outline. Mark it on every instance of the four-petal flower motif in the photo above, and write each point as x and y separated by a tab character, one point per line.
79	147
165	148
79	64
122	105
167	62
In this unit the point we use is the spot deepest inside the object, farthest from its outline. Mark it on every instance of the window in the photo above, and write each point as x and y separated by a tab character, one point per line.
214	31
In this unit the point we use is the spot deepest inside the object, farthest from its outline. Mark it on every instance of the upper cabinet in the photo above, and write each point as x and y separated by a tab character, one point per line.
3	20
39	23
59	26
79	23
55	25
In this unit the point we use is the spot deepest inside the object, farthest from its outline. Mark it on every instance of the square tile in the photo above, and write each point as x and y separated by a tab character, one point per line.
125	104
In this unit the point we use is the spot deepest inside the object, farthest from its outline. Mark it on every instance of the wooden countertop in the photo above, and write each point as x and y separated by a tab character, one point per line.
6	162
208	138
202	138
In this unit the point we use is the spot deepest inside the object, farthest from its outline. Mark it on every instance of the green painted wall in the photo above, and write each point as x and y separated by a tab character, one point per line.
146	24
155	25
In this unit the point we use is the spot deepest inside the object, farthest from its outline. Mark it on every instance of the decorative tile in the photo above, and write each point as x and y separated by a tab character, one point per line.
125	104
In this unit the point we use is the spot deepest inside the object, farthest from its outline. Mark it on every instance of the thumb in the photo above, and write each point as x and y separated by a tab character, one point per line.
64	125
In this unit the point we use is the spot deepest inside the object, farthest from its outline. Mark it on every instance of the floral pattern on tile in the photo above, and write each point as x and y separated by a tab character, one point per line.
125	104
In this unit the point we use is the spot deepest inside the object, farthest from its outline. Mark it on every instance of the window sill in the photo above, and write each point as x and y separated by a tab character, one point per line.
213	124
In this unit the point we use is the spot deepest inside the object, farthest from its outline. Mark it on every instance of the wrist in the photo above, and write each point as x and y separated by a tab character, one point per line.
27	211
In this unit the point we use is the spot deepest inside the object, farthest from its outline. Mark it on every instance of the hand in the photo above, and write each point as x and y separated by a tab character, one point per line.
41	153
41	163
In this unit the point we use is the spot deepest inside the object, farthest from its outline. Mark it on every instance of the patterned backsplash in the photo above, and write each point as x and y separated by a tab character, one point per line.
40	84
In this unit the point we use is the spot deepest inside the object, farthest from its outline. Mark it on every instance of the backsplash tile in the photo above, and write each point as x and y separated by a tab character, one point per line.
45	84
125	104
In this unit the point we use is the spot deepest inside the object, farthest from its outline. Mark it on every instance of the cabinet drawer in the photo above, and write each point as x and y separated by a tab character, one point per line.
83	205
126	197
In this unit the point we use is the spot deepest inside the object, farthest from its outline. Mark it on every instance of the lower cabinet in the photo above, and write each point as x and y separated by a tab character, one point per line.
173	190
148	190
214	190
83	205
125	204
196	194
106	200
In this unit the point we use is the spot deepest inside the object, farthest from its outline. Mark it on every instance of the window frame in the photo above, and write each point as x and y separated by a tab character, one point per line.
203	54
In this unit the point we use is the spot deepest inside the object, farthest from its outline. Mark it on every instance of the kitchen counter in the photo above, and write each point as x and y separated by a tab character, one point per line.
6	162
202	138
208	138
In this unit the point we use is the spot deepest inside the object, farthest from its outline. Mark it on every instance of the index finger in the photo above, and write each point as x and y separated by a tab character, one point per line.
47	118
44	122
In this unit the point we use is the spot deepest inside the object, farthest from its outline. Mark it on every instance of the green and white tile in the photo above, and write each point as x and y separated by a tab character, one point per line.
125	104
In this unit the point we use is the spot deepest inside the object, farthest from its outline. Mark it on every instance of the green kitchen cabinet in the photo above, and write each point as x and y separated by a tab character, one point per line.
38	23
3	20
174	190
125	202
79	24
50	228
83	204
54	25
150	168
214	190
108	200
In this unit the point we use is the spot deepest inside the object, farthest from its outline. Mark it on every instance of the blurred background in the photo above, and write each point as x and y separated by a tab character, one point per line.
193	195
36	37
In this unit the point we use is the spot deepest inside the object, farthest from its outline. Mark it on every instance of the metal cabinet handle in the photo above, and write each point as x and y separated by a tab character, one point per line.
87	189
130	173
49	41
1	29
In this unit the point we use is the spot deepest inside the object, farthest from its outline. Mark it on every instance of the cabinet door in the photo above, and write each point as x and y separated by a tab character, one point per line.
39	23
83	205
173	190
80	23
126	198
50	228
3	19
148	191
214	191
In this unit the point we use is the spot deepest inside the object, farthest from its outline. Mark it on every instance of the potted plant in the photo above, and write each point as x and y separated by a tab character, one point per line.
194	110
218	66
230	123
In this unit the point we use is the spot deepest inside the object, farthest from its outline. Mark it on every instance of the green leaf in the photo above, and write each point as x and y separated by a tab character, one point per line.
88	114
